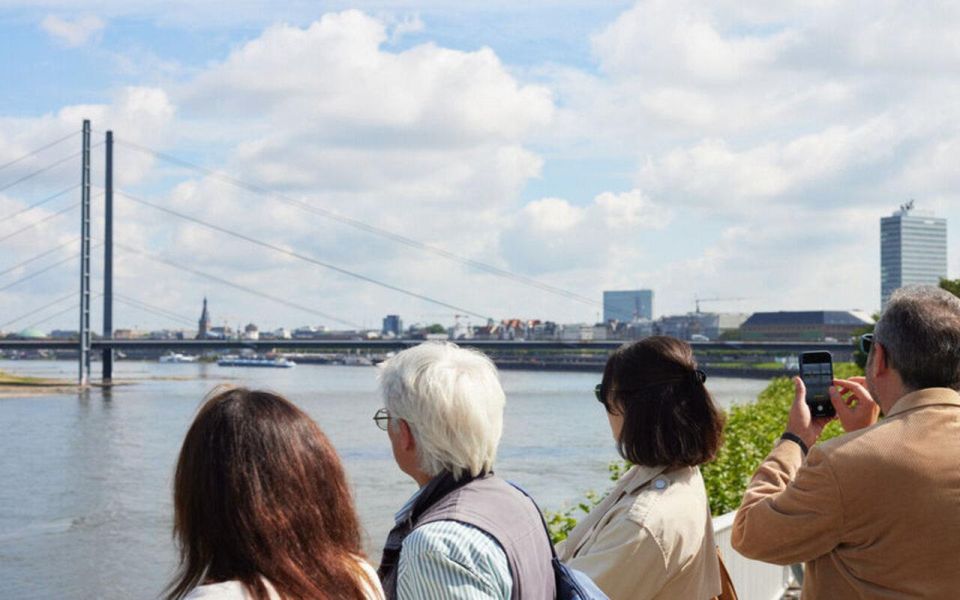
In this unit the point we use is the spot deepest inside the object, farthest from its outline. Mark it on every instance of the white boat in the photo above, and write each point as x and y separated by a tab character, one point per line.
176	357
256	361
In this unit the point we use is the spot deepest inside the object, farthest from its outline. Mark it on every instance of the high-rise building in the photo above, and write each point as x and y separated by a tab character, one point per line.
203	326
392	324
913	250
627	305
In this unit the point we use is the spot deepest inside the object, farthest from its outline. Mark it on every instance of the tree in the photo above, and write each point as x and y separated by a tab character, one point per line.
436	328
951	285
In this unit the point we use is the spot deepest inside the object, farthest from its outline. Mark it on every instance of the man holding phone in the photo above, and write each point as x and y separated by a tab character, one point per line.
874	513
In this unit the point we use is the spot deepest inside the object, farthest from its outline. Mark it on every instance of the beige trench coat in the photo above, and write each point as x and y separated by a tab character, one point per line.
651	537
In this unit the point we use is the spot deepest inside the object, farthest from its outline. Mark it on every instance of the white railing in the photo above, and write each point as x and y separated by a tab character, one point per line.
753	580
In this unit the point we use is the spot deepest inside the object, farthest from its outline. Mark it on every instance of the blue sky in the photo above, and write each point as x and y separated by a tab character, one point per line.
730	149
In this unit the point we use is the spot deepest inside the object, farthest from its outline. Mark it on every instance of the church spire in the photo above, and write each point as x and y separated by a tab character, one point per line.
203	327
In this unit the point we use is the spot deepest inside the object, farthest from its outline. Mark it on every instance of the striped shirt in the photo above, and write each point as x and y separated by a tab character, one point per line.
449	559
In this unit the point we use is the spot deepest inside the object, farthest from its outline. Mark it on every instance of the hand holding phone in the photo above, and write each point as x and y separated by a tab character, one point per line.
800	422
855	406
816	371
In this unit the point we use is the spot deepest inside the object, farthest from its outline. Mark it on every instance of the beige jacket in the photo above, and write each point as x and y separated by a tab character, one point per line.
874	513
651	537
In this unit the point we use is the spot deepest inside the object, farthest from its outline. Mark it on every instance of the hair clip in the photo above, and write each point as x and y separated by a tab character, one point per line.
699	376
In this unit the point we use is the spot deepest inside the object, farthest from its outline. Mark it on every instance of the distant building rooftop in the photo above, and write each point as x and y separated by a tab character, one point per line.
32	334
811	317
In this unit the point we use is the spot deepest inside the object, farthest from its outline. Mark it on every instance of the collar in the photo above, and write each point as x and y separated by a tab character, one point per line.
404	513
634	479
637	477
925	397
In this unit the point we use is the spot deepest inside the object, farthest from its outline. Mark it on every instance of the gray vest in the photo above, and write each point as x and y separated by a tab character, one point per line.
496	507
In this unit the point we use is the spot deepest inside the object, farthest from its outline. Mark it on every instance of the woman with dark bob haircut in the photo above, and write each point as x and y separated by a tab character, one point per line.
652	536
262	509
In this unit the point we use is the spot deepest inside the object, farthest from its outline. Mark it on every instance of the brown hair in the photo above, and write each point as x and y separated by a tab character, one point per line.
669	417
259	493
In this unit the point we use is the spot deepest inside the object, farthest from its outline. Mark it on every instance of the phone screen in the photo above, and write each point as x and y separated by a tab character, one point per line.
816	370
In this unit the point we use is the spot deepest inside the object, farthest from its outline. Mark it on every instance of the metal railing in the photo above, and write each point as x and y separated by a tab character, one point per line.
754	580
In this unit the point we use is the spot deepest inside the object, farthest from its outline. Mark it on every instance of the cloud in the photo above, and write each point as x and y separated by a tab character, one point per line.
552	235
334	81
72	33
405	26
742	149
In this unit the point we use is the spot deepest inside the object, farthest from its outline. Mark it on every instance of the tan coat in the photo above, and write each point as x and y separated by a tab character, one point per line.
651	537
874	513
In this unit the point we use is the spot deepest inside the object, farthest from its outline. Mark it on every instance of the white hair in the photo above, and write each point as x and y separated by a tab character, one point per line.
452	400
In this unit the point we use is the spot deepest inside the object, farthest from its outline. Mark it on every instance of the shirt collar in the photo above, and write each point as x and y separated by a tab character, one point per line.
404	513
925	397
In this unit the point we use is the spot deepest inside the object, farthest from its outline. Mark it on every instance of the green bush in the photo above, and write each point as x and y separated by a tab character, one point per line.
749	434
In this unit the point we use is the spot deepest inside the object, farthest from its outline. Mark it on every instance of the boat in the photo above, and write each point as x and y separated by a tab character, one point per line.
176	357
356	360
255	361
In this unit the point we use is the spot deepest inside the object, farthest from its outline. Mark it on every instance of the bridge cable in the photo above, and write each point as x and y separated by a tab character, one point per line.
360	225
38	256
43	220
76	306
242	288
39	150
43	270
303	257
156	311
39	203
36	310
40	171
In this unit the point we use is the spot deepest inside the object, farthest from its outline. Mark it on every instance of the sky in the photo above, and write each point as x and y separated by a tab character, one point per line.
430	159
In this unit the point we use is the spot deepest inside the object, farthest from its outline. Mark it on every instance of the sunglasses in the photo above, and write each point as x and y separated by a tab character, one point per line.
600	391
866	341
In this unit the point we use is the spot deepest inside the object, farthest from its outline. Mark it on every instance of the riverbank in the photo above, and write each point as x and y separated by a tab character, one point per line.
19	385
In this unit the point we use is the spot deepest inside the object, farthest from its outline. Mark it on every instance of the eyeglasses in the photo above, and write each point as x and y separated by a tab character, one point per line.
382	419
866	341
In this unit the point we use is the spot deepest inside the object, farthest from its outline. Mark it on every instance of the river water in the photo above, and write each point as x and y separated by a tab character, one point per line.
85	479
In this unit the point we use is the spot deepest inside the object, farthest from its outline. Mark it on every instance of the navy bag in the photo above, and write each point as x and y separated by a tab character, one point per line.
571	583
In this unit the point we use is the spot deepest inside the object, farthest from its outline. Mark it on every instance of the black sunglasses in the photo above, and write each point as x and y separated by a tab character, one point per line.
866	341
601	392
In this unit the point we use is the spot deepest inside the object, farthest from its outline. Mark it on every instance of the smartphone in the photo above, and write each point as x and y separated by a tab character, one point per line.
816	370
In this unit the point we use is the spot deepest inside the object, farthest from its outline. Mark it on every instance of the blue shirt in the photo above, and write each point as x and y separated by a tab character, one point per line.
449	559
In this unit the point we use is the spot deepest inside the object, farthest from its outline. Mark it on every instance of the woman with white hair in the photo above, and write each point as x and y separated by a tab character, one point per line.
466	533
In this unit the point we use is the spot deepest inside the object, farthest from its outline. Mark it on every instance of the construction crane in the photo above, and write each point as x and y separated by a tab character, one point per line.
697	300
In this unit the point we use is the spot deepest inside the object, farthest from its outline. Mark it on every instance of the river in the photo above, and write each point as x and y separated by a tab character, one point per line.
85	499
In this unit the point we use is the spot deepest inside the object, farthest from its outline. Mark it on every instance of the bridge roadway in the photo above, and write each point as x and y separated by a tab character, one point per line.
400	344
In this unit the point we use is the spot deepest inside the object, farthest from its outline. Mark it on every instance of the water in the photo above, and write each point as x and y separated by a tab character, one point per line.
85	498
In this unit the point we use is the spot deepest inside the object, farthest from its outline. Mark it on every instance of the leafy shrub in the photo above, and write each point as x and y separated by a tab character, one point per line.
750	432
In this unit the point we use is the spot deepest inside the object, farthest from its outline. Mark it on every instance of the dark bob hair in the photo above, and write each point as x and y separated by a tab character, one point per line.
259	494
669	417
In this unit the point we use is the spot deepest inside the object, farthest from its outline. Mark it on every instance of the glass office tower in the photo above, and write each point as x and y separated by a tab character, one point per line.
627	306
913	250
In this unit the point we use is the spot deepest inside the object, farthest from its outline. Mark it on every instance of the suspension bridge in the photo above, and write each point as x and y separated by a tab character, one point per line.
84	247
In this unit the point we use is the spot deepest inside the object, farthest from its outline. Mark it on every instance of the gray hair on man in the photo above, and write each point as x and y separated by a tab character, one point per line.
920	330
453	402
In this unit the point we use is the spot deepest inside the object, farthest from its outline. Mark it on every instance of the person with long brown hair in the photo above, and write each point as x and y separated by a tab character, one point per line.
262	509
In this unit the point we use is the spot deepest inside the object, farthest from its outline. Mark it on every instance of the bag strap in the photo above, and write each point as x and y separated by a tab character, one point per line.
727	591
543	520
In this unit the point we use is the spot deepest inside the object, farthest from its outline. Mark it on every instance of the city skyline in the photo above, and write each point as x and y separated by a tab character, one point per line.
700	150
